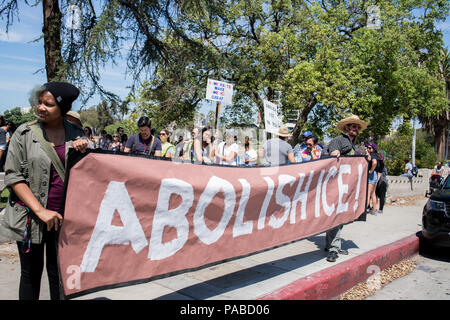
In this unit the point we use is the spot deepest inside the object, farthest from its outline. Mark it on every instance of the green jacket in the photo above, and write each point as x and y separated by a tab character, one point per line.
29	163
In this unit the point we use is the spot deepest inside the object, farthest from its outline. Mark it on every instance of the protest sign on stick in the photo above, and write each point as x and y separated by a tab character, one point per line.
271	121
219	91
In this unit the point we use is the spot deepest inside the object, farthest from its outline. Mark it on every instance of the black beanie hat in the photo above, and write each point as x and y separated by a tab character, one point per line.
64	94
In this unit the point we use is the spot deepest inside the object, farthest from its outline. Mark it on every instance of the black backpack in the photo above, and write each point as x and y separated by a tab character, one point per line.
415	171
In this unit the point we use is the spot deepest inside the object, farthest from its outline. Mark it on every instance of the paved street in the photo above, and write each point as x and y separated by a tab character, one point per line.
249	277
429	281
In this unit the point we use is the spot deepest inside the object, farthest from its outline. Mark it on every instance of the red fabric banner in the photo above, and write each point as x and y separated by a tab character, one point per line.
130	218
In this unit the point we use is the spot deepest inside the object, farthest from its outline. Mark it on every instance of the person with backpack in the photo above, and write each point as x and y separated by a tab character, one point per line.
144	142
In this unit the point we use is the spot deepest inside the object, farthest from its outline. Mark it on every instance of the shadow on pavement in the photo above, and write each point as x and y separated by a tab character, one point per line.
246	277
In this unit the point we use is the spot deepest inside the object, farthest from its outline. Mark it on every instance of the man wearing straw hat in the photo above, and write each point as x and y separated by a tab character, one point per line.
276	150
340	146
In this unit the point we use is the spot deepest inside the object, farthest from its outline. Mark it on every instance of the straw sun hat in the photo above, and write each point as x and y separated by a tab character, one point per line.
283	132
74	114
352	119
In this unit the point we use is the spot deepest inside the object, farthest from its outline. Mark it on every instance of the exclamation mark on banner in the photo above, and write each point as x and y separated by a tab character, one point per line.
355	206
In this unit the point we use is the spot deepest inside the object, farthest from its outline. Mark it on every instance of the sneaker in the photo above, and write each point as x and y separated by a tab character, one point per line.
332	256
340	251
379	211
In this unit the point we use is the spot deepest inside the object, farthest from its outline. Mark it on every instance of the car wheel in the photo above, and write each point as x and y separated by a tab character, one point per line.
425	247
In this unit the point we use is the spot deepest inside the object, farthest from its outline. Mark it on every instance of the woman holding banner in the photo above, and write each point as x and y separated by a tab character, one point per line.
227	150
202	146
250	154
167	148
35	173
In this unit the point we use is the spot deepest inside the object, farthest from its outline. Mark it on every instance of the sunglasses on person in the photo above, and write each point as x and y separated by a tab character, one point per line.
115	136
162	134
309	145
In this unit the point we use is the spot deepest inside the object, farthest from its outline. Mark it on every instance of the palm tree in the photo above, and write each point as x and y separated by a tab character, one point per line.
438	125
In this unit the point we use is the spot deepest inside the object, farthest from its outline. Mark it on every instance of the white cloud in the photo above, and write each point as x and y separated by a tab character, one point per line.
23	36
17	86
21	58
17	67
11	36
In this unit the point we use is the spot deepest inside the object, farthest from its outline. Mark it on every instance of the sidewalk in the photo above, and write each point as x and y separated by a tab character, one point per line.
272	274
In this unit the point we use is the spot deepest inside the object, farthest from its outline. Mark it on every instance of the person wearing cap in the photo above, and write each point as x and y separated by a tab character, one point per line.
342	145
301	146
74	117
311	152
277	151
35	174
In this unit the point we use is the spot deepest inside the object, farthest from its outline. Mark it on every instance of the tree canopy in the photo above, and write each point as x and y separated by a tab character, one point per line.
320	58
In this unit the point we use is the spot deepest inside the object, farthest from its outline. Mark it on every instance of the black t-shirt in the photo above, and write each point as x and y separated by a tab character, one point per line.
373	155
380	166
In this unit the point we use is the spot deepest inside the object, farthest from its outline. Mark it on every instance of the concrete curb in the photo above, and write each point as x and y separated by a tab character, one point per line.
331	282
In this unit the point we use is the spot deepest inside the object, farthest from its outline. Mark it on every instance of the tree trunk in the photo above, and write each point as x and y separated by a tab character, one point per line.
300	124
52	40
439	139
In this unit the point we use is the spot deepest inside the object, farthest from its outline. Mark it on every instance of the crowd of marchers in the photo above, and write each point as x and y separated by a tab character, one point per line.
35	157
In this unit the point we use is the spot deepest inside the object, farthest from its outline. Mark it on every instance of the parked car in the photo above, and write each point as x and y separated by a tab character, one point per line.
436	216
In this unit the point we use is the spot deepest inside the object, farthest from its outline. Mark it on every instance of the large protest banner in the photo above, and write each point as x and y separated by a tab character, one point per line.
128	219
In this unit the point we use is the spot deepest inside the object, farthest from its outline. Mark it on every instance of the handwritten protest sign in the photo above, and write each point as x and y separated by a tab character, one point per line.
271	121
139	217
219	91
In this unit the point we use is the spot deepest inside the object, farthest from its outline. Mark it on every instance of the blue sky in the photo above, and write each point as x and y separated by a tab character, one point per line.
22	62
